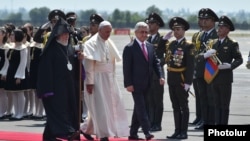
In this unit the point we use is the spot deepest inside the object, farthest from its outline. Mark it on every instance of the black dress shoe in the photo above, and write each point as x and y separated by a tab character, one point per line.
87	136
74	136
200	122
15	119
104	139
149	136
195	121
173	136
200	127
155	128
182	136
2	117
8	116
28	116
134	138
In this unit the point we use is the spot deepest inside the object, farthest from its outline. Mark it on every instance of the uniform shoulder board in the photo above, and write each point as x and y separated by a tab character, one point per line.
233	40
188	42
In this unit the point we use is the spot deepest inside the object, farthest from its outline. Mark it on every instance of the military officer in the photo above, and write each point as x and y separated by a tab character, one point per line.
208	19
155	95
94	21
227	50
180	68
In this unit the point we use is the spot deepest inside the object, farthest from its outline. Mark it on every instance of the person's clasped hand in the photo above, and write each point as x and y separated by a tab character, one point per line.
224	66
209	53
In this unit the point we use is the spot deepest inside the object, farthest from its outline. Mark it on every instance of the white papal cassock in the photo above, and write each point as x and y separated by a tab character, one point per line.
105	104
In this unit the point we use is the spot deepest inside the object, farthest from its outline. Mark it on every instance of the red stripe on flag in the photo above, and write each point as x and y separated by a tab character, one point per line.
211	70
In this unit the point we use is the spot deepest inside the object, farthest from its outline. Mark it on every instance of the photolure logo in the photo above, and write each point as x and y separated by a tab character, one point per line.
241	132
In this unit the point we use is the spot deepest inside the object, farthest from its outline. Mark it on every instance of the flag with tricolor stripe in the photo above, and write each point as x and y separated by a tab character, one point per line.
211	70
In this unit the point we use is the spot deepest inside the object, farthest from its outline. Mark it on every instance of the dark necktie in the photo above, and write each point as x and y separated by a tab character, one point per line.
204	37
144	51
219	43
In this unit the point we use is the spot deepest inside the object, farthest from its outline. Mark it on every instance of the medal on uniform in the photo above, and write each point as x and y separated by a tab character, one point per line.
69	66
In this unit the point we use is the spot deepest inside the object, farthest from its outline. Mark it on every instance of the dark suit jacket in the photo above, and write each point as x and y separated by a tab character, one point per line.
137	70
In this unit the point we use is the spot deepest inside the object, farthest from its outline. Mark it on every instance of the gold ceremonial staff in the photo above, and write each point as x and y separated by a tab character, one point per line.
214	56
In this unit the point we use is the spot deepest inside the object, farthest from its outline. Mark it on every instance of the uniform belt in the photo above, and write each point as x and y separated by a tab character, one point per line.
176	69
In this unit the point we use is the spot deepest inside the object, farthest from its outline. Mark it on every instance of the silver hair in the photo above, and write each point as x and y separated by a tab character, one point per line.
141	24
104	23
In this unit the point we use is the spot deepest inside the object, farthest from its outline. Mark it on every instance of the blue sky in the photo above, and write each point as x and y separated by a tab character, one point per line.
132	5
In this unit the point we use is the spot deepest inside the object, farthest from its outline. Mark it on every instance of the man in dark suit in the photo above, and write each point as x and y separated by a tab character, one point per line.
155	98
139	62
227	50
180	68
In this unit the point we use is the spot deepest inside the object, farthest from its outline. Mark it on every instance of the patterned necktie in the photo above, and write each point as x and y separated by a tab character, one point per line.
144	51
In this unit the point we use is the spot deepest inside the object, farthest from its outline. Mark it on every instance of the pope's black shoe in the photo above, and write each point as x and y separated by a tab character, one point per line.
173	136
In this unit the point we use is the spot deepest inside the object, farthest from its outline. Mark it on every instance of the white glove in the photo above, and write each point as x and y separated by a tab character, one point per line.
168	35
186	87
224	66
209	53
46	25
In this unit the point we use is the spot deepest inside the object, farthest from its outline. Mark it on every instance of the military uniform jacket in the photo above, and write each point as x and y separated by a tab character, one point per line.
227	52
200	48
180	61
160	46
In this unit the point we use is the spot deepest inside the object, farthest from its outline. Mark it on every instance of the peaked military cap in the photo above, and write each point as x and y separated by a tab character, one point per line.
56	14
96	19
178	22
225	21
154	17
201	12
206	13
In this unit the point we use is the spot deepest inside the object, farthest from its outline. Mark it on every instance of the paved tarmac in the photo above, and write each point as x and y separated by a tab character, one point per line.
239	108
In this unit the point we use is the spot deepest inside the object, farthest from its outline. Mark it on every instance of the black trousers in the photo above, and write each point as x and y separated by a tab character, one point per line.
197	100
179	99
140	115
207	101
223	94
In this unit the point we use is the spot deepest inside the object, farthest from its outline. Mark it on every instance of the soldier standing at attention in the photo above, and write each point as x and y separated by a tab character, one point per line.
180	68
208	20
227	50
154	101
196	41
